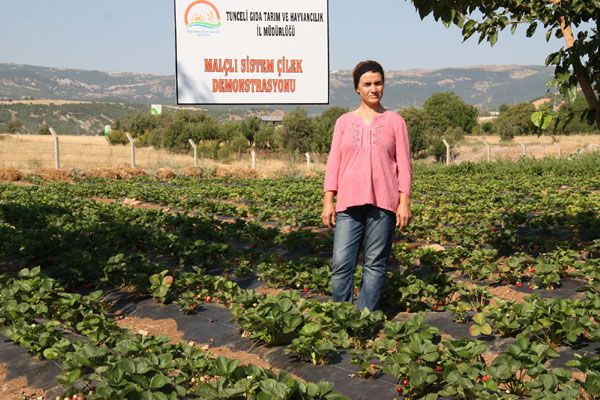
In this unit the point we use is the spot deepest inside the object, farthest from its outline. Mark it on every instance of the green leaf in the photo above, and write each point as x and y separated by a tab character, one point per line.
531	29
276	389
68	377
142	365
310	329
541	119
479	318
51	354
158	381
226	367
493	38
475	330
486	329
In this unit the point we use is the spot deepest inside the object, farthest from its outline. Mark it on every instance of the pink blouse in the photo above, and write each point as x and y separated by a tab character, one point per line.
369	163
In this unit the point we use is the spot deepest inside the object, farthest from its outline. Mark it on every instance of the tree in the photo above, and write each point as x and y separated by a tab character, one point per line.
417	123
44	130
577	62
250	127
265	137
297	130
575	118
447	110
515	121
14	126
323	128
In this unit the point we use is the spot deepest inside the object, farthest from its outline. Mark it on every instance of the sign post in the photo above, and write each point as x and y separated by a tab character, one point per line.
156	109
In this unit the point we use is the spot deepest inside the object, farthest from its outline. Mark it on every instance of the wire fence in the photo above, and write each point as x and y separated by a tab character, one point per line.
31	152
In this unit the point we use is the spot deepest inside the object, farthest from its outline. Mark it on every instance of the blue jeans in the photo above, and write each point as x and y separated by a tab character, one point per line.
374	227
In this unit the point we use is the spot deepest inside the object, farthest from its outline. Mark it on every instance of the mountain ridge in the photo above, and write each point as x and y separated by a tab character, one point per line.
485	86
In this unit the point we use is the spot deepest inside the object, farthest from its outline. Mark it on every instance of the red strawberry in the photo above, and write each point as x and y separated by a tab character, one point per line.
439	368
519	284
440	303
405	382
305	289
435	307
399	389
485	378
208	299
532	270
530	287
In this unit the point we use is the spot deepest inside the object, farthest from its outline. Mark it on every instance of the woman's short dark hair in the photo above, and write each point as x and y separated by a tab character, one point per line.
366	66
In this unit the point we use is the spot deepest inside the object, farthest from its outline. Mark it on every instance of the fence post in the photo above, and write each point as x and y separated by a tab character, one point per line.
195	147
447	151
253	153
557	148
308	159
487	146
56	148
132	142
524	149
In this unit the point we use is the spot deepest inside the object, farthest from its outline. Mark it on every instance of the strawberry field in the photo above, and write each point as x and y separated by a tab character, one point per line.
493	291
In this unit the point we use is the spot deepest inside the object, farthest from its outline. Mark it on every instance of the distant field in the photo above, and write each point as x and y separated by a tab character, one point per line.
473	148
30	152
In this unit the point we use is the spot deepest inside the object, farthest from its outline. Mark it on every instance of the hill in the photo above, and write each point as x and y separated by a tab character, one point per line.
484	86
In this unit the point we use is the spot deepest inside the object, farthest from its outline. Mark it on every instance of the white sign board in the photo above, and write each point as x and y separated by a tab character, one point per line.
252	52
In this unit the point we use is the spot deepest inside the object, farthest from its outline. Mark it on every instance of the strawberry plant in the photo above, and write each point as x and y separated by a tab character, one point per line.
160	284
480	326
518	363
480	264
274	320
317	345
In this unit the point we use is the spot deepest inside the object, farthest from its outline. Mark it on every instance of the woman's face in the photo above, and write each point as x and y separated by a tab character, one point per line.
370	88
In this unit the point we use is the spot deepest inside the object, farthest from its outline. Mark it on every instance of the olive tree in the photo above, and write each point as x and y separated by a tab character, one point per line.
578	62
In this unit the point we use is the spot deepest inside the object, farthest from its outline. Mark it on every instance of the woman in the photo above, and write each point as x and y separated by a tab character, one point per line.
369	171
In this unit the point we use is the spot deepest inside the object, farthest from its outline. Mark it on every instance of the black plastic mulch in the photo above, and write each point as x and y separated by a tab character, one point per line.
40	374
213	324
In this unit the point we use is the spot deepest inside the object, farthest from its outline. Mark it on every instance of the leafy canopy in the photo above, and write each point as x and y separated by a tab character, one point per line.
577	62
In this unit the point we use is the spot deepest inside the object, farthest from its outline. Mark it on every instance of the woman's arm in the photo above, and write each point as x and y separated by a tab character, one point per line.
330	184
328	213
404	173
403	213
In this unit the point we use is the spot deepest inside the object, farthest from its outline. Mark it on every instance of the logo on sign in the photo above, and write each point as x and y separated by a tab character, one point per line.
202	17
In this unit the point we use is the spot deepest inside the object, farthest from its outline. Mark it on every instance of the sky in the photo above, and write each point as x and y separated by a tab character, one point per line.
139	36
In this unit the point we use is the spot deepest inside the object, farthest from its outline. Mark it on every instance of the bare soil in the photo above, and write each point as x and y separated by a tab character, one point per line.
17	388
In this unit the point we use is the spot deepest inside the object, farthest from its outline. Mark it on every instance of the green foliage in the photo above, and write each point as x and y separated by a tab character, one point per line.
117	136
297	130
447	110
44	129
323	128
14	126
577	64
265	137
250	128
576	117
515	121
417	122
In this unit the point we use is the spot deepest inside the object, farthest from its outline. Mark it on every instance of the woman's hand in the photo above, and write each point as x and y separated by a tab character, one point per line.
328	213
403	213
